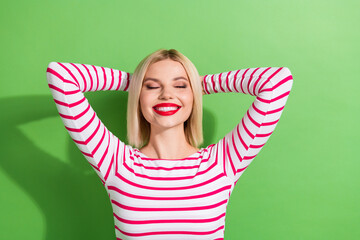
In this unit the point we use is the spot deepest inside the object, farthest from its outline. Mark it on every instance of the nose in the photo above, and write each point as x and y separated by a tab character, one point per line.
166	93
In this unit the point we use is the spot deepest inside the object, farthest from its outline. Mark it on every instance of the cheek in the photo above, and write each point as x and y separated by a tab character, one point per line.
143	109
146	102
189	97
142	102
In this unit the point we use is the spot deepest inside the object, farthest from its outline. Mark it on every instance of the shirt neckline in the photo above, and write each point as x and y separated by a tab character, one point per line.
142	155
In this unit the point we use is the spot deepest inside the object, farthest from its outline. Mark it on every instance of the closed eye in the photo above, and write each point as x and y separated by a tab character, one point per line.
148	87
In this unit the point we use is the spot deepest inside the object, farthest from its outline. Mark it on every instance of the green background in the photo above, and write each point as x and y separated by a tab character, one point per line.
304	184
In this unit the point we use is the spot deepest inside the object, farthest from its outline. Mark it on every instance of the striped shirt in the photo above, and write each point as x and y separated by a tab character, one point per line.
169	198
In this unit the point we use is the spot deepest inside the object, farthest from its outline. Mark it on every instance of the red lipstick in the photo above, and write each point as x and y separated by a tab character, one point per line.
166	109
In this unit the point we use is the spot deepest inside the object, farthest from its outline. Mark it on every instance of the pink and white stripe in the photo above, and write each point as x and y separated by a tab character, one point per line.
169	198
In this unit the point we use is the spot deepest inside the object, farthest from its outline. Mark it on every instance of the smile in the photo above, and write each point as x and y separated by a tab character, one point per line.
166	111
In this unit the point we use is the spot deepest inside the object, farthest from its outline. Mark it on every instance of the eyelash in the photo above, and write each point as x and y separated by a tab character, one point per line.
148	87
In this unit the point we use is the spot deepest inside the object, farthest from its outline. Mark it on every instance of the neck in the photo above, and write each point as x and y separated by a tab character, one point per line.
168	143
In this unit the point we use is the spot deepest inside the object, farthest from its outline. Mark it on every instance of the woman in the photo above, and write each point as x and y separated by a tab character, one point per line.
168	188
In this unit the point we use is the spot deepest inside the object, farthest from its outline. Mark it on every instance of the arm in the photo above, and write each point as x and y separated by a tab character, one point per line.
271	86
68	82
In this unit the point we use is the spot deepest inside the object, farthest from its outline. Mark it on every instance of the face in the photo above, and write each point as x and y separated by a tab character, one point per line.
166	97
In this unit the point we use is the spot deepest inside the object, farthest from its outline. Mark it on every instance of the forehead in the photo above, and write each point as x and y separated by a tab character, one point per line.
165	68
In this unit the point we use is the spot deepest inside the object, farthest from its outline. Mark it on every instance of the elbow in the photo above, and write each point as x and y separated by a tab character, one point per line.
51	66
287	77
286	71
50	71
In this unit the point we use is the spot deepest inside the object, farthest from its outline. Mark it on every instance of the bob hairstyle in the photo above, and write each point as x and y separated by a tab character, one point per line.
138	128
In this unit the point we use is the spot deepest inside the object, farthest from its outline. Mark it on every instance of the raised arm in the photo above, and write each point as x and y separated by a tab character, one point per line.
68	82
271	86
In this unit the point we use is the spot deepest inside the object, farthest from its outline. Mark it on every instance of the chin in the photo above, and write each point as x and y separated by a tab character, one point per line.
168	125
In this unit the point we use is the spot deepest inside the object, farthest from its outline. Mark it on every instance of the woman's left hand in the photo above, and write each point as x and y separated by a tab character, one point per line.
202	84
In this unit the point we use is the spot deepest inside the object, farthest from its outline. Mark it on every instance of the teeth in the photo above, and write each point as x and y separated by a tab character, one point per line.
165	109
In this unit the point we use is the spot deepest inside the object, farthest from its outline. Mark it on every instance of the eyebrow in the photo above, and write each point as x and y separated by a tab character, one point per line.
157	80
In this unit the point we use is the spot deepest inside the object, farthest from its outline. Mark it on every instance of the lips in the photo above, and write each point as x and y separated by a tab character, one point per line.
166	109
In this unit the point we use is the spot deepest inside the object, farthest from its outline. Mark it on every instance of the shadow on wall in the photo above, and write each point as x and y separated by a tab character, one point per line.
74	203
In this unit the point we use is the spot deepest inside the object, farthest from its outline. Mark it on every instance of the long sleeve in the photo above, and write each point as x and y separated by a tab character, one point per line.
68	82
271	86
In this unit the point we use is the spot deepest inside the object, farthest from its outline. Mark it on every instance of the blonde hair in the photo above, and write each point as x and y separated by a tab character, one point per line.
138	129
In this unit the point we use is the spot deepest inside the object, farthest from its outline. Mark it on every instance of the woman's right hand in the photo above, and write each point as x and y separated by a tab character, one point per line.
202	84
